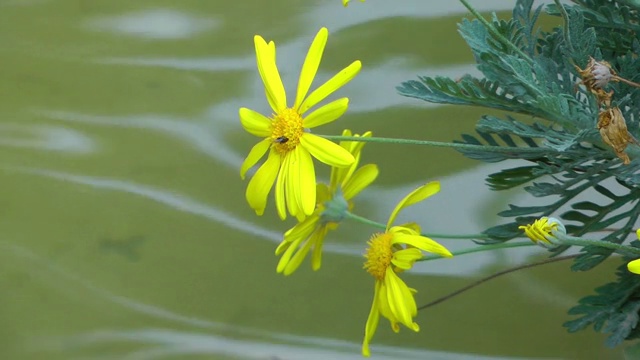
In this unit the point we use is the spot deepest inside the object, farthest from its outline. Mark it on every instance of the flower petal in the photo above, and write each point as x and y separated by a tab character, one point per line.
326	151
286	256
405	258
254	122
326	114
401	301
262	181
297	259
415	196
362	178
422	243
303	229
289	189
307	187
333	84
266	61
256	153
318	240
372	321
280	193
311	64
634	266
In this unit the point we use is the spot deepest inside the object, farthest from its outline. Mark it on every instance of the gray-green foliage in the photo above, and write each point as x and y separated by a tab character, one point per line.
531	74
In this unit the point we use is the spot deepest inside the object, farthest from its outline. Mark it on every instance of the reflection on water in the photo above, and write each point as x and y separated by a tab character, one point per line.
126	234
154	24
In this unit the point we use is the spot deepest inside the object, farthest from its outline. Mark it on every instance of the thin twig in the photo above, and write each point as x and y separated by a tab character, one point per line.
493	276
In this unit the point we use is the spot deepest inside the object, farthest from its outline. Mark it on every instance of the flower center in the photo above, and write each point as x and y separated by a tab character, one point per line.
286	130
378	255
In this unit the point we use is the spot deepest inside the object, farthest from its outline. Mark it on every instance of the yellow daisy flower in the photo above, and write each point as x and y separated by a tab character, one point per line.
286	133
544	231
634	266
333	202
390	253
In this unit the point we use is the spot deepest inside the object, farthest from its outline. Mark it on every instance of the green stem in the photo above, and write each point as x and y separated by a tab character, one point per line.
435	235
495	32
568	240
487	148
481	248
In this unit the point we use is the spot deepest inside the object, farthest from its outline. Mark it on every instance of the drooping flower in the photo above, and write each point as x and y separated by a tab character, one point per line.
286	133
634	265
544	231
333	201
390	253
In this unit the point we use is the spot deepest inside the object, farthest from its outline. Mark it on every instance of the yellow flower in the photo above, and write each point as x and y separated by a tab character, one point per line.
634	266
392	252
544	231
286	133
333	203
345	3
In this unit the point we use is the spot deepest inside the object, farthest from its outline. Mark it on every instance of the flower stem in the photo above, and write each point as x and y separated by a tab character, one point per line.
487	148
435	235
480	248
495	32
569	240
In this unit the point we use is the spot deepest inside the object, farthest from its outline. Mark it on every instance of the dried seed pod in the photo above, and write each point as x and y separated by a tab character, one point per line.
597	75
613	129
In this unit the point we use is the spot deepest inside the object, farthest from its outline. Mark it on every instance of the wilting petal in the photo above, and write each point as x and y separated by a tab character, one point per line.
318	240
634	266
255	123
266	61
326	114
333	84
326	151
401	301
415	196
372	322
311	64
262	182
404	259
422	243
286	257
256	153
297	259
307	186
362	178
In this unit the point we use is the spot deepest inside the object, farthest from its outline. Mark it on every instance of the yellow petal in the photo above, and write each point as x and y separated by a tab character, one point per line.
422	243
362	178
415	196
333	84
255	123
289	191
638	233
307	185
266	61
326	151
326	114
280	194
634	266
372	322
297	259
256	153
404	259
286	257
303	229
262	182
318	240
401	301
311	64
322	193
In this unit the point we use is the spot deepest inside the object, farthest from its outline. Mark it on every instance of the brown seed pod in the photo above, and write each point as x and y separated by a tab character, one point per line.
613	129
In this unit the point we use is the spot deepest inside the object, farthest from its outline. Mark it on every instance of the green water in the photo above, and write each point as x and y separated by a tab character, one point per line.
125	233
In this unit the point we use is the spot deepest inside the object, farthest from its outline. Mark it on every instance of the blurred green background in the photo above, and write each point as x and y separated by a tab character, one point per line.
124	229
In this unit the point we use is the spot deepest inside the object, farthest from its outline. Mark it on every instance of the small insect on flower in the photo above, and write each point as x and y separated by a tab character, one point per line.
281	140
